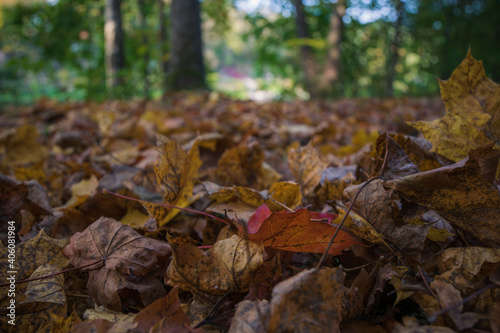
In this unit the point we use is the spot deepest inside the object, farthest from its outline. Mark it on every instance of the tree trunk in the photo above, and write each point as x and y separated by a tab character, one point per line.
186	64
145	40
394	56
306	52
162	38
113	35
332	64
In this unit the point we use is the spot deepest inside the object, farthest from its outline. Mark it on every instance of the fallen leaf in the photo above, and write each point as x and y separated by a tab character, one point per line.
472	116
230	264
459	193
462	267
306	167
240	165
21	146
448	296
251	317
164	315
176	173
308	302
129	261
81	191
295	232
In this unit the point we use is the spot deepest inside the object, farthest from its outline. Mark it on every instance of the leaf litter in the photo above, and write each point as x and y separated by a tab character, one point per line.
222	209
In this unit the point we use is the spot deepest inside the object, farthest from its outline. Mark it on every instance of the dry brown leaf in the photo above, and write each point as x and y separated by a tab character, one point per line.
129	261
459	193
251	317
229	265
306	167
308	302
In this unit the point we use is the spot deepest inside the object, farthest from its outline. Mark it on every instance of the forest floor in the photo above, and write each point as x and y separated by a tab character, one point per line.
261	189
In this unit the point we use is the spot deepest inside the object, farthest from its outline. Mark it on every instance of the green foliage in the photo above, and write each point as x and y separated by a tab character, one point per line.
58	49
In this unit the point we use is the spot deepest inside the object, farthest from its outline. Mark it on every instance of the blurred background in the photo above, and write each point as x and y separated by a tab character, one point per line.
249	49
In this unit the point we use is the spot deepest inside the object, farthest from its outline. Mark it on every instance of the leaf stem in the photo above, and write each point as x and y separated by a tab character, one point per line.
51	275
167	206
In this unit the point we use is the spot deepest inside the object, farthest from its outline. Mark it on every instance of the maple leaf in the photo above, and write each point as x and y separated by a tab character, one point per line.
129	261
230	264
472	116
306	167
295	232
379	205
176	173
460	193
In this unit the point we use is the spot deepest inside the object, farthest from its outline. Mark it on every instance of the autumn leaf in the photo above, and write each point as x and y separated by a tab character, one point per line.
16	197
129	259
164	315
176	173
460	193
295	232
306	167
308	302
240	165
21	146
251	317
230	264
472	116
81	191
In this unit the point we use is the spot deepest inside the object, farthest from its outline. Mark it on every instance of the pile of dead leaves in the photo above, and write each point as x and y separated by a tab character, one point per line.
260	191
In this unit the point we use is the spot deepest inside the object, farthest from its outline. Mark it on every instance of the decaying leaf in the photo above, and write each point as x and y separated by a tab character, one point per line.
164	315
308	302
229	265
129	261
251	317
460	193
306	167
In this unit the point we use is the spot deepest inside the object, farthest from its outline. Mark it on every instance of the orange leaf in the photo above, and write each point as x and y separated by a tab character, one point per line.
295	232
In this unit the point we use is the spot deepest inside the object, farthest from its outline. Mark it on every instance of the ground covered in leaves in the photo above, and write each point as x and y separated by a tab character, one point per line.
263	189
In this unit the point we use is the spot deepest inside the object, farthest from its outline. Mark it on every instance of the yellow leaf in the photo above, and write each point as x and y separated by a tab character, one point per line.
21	146
472	116
176	173
81	191
287	193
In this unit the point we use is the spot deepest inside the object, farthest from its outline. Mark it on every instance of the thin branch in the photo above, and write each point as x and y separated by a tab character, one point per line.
342	222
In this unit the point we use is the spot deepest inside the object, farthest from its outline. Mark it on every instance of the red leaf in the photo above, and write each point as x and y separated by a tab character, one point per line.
296	232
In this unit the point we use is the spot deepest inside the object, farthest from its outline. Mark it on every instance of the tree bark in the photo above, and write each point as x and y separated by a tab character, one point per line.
306	52
113	35
145	41
332	64
162	38
187	70
394	55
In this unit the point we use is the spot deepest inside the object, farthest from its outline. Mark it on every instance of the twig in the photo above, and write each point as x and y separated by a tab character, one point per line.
379	174
425	281
342	222
434	316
